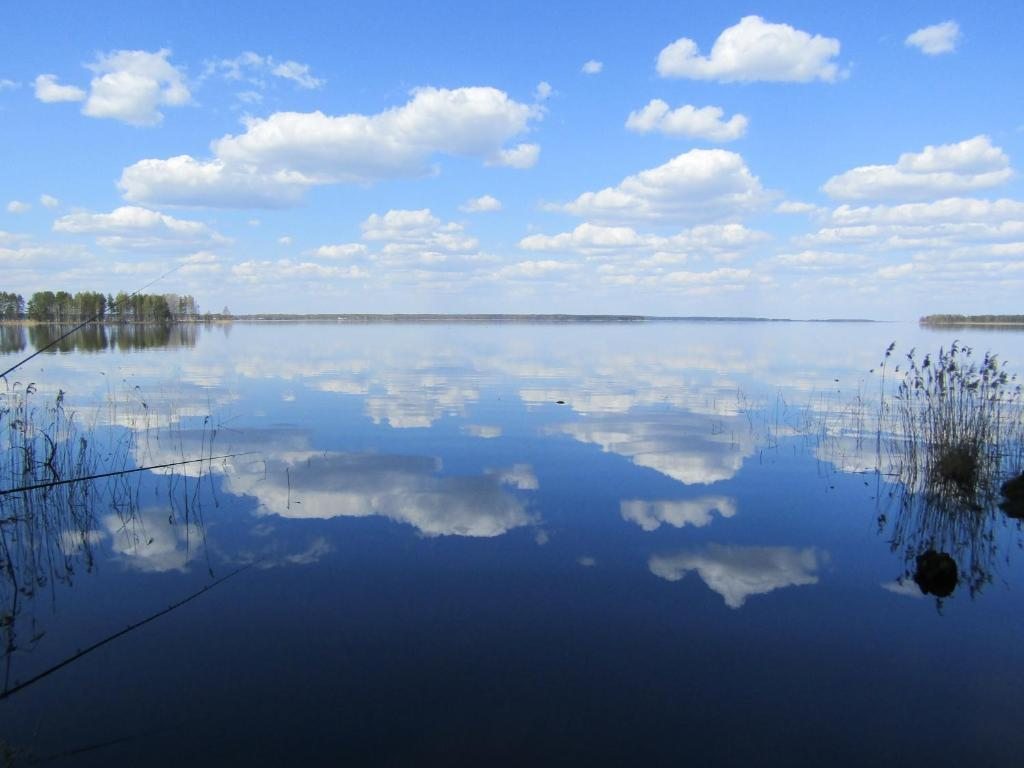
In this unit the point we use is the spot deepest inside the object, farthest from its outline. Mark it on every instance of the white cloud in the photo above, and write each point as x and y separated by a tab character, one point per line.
252	68
416	231
17	206
936	171
132	227
689	121
543	91
795	206
288	270
897	270
340	251
752	50
593	239
936	39
278	157
519	156
298	74
405	245
482	204
130	86
8	85
592	67
49	201
649	515
699	184
185	181
534	270
811	259
284	240
48	90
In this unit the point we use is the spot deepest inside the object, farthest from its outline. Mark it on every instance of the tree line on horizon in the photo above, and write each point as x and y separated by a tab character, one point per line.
64	307
960	319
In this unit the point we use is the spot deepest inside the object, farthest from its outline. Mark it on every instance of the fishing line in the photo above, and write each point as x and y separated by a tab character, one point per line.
115	473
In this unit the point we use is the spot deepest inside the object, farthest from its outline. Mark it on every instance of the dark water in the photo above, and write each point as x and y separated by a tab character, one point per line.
689	560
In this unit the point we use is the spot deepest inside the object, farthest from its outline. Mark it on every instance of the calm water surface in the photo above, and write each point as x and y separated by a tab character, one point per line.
473	544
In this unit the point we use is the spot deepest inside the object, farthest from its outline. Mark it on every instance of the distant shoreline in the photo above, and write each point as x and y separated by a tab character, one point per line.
375	318
956	321
513	318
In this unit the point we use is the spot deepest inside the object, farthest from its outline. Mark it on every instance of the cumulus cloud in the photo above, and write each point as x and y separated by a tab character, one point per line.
519	156
48	90
534	270
8	85
256	272
936	171
752	50
699	184
650	515
132	227
954	241
49	201
341	251
185	181
17	206
131	86
795	206
936	39
592	67
406	244
737	573
596	239
688	121
416	231
543	91
482	204
278	157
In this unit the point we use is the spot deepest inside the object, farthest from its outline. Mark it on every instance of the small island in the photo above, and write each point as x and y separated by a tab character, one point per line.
960	320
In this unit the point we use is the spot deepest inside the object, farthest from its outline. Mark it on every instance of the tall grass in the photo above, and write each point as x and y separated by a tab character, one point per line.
61	483
958	426
954	428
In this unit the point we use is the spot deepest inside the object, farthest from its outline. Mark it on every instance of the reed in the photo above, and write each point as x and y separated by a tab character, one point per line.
957	426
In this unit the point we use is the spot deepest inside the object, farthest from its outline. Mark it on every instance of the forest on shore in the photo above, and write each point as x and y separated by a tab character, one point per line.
972	320
92	306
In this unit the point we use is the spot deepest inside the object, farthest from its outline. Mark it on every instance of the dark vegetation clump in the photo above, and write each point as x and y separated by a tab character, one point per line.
958	422
956	427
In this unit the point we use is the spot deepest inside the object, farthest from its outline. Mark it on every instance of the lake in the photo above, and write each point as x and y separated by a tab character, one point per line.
657	543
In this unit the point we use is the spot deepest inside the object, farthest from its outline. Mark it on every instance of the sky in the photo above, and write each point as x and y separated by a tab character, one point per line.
783	159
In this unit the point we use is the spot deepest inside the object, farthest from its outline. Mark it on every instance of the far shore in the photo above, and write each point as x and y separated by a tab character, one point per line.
353	318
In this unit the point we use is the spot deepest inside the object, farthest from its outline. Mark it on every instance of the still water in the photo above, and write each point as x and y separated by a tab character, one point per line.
498	544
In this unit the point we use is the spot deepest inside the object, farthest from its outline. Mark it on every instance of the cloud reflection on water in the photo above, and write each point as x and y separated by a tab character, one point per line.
649	515
737	572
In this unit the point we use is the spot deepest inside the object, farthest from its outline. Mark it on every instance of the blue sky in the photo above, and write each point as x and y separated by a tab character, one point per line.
783	159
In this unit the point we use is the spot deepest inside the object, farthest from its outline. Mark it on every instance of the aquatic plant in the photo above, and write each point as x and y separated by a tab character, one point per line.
954	429
958	425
